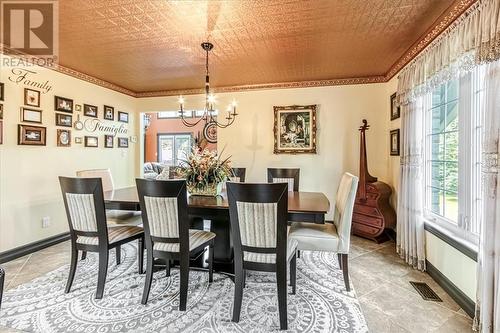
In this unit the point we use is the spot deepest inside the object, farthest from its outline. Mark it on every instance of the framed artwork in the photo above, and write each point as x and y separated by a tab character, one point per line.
90	110
1	91
78	107
91	141
122	142
78	140
65	120
123	117
63	138
108	141
1	111
31	115
1	132
394	142
109	113
395	109
31	97
31	135
63	104
295	129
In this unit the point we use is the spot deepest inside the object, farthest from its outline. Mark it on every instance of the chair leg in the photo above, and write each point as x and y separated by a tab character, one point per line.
103	270
184	279
345	271
293	274
140	254
298	253
118	250
149	277
72	268
167	267
238	291
211	263
244	278
339	258
282	292
84	255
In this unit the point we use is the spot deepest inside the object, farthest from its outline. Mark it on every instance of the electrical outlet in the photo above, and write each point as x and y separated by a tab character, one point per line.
46	222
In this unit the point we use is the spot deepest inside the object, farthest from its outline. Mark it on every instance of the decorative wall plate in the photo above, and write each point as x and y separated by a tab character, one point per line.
210	132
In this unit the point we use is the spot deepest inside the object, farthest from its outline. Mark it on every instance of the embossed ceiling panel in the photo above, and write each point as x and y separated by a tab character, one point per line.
154	45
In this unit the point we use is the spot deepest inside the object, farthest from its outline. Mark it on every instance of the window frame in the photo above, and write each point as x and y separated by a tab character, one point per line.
174	136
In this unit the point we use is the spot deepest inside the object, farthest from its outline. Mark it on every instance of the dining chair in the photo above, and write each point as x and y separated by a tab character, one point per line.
84	202
238	175
167	234
331	237
258	215
2	279
289	176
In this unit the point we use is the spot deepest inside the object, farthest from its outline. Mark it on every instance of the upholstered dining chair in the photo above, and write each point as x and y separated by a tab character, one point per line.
289	176
330	237
258	214
238	175
84	203
166	227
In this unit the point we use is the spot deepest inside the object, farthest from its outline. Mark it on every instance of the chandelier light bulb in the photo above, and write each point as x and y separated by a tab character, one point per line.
181	100
211	98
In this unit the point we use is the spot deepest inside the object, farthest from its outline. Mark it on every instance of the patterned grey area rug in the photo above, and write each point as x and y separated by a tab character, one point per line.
320	305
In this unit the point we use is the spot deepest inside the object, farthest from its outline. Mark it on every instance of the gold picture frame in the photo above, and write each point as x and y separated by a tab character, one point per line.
295	129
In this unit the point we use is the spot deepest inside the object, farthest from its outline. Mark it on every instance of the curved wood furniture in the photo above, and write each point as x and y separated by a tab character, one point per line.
372	210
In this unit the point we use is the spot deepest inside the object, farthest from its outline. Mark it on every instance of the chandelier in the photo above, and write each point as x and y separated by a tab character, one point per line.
209	113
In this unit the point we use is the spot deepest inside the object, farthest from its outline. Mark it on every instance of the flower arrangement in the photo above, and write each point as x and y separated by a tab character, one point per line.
205	172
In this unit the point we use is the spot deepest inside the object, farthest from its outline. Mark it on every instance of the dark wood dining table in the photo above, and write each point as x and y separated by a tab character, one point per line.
302	207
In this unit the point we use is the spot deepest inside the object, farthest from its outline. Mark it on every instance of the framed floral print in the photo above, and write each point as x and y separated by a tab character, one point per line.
295	129
394	142
31	97
395	109
63	138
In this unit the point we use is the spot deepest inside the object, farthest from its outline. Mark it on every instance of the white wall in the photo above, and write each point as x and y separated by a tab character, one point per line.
29	187
250	139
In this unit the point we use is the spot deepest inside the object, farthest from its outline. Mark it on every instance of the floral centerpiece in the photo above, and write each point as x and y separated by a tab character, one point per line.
205	172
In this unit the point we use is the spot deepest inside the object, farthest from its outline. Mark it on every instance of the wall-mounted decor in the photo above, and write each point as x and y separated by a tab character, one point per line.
78	123
108	141
1	91
78	140
78	107
122	142
394	137
63	138
1	111
31	97
1	132
65	120
133	139
91	141
295	129
123	117
109	113
395	109
31	115
31	135
63	104
90	110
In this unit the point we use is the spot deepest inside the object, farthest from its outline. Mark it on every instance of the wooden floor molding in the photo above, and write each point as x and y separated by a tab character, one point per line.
32	247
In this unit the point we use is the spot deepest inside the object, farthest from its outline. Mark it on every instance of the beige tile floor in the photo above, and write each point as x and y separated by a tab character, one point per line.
380	278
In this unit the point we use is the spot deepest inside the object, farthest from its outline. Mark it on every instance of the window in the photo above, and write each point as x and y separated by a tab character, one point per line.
172	148
453	129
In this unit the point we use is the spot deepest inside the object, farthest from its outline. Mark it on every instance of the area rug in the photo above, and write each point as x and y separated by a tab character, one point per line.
321	303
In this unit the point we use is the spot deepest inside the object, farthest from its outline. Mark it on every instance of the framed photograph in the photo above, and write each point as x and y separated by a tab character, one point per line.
65	120
90	110
78	107
109	113
63	138
31	97
78	140
91	141
1	91
122	142
31	135
123	117
108	141
1	132
31	115
394	142
63	104
295	129
395	109
1	111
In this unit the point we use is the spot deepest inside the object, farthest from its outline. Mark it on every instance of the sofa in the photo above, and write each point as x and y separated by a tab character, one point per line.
152	169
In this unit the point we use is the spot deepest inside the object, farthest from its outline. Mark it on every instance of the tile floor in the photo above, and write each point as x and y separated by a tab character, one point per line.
380	278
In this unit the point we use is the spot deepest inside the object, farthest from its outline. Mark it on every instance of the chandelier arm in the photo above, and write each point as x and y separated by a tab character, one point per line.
189	124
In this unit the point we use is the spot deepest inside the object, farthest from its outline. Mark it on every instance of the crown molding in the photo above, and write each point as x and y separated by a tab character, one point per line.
459	8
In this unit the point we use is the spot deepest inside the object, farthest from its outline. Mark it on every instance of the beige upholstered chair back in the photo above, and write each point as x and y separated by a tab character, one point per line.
104	174
289	181
234	179
344	205
82	211
257	223
162	216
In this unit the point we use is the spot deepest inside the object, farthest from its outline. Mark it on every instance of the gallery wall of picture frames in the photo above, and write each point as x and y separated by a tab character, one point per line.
394	140
31	132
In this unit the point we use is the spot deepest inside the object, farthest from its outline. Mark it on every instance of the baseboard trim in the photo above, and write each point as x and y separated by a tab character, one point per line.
32	247
458	296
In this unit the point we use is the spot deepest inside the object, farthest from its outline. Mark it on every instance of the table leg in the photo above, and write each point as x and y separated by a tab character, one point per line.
223	247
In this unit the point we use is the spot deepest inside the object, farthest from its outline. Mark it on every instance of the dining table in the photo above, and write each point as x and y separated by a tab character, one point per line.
302	207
